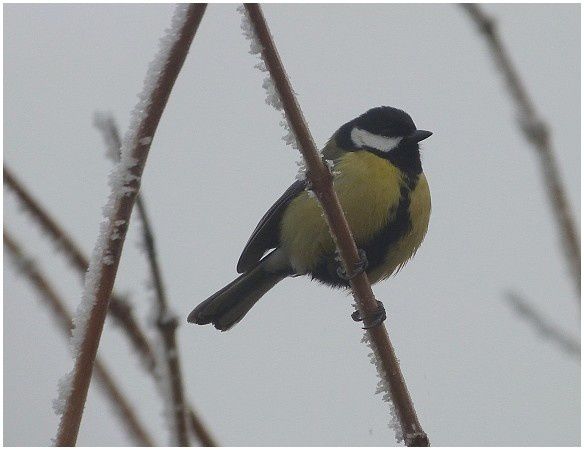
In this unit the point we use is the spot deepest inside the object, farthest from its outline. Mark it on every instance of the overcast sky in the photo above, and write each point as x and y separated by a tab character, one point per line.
294	371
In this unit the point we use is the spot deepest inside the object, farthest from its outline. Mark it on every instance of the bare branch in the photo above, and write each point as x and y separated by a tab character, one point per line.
166	322
64	320
200	430
537	133
119	309
125	186
321	181
550	332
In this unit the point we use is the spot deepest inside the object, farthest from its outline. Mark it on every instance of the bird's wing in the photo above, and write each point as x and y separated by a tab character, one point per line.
266	234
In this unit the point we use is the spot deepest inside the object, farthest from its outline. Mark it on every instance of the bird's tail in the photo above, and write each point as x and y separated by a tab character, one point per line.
228	306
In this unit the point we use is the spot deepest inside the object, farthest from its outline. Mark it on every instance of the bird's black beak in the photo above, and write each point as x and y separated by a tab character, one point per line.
419	135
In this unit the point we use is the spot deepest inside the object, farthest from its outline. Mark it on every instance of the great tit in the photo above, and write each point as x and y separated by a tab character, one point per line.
378	178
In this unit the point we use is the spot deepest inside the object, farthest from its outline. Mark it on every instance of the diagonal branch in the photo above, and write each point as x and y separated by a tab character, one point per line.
125	411
125	184
199	429
537	133
119	309
550	332
321	180
166	321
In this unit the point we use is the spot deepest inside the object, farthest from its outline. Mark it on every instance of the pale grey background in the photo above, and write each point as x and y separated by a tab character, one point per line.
294	372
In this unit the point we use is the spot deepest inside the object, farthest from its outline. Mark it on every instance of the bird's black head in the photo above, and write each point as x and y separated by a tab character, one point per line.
387	132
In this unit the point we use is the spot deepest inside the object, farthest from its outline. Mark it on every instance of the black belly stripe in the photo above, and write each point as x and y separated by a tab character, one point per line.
378	247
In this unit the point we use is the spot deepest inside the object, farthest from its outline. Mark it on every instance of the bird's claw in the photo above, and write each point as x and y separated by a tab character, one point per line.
360	267
373	319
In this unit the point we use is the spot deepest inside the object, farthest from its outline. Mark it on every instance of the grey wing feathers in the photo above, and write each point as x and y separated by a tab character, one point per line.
266	234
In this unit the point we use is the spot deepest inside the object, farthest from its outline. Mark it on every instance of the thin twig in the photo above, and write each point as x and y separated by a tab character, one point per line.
200	430
110	134
29	269
321	181
119	309
550	332
103	266
166	321
537	133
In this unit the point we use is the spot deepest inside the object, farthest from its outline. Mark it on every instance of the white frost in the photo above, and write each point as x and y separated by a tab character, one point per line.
116	231
63	392
119	180
301	176
272	96
302	170
383	388
108	259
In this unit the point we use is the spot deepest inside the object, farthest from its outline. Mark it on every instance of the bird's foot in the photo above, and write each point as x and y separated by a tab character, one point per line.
360	267
373	319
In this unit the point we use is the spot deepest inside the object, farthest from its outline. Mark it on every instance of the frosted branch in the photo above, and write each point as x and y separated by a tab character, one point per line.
120	310
170	380
124	183
63	318
321	180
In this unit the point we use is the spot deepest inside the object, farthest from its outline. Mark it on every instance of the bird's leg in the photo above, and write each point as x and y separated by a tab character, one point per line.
371	320
379	315
360	267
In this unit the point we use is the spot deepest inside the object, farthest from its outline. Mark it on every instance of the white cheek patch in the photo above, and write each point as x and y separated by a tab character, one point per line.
363	138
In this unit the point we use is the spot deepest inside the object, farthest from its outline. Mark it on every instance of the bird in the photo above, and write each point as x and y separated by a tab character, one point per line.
378	178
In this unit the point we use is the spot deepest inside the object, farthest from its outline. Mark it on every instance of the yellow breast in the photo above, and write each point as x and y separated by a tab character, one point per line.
400	253
368	188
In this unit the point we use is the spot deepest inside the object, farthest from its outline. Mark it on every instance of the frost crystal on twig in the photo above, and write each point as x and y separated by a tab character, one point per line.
383	388
63	392
272	97
119	181
302	171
